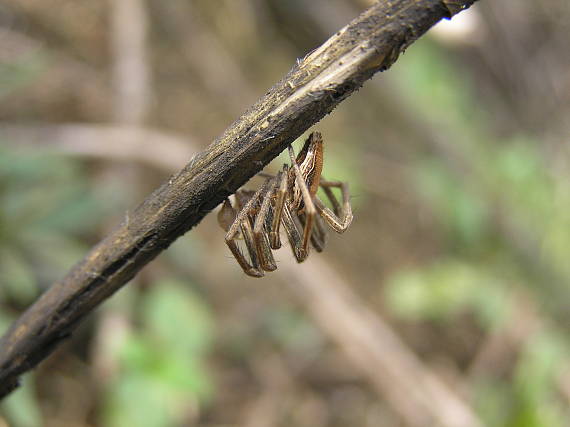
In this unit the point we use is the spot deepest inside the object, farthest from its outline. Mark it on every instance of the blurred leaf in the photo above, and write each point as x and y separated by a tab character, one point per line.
547	413
163	365
176	317
176	370
537	370
139	400
443	290
434	293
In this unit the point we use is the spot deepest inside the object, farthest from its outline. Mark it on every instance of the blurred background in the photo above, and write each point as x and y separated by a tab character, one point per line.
445	303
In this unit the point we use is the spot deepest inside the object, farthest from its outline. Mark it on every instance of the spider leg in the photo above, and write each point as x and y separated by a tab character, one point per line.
278	208
227	215
309	207
265	175
260	235
292	226
319	236
326	186
243	223
341	218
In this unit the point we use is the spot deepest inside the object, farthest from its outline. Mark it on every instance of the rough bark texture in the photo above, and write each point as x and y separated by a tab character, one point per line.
313	87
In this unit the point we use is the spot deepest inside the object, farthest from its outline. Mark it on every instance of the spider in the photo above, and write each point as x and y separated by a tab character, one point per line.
289	199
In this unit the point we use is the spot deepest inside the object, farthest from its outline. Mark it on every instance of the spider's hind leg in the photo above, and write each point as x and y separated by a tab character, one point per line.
242	223
319	234
341	216
293	228
279	194
261	227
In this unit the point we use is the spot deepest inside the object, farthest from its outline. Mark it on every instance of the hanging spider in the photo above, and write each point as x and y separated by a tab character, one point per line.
288	198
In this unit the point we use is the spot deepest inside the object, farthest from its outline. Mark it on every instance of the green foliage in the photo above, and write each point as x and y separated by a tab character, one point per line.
163	377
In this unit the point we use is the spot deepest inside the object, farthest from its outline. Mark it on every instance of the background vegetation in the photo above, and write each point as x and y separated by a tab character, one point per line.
459	165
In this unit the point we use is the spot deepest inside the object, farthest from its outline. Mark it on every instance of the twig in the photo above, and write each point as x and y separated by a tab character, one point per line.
131	74
313	87
165	151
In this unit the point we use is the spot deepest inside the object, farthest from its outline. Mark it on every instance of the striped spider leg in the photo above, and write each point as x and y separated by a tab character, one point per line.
287	199
250	206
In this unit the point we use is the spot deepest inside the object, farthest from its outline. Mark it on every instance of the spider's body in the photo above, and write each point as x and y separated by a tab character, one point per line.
310	162
289	199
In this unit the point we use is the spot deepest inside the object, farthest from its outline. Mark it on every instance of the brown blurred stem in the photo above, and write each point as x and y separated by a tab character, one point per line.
166	151
313	87
407	384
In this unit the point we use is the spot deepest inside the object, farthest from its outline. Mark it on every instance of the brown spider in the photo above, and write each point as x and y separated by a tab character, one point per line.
288	198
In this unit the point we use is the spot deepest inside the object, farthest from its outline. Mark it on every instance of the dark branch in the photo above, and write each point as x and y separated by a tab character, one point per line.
313	87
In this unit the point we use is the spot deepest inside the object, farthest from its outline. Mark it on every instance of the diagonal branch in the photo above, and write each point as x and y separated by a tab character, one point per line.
313	87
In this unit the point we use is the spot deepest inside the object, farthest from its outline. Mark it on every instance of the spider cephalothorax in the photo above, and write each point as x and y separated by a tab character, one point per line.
310	161
289	199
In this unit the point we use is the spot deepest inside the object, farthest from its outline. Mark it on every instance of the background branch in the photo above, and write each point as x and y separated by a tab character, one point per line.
150	147
415	392
314	86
